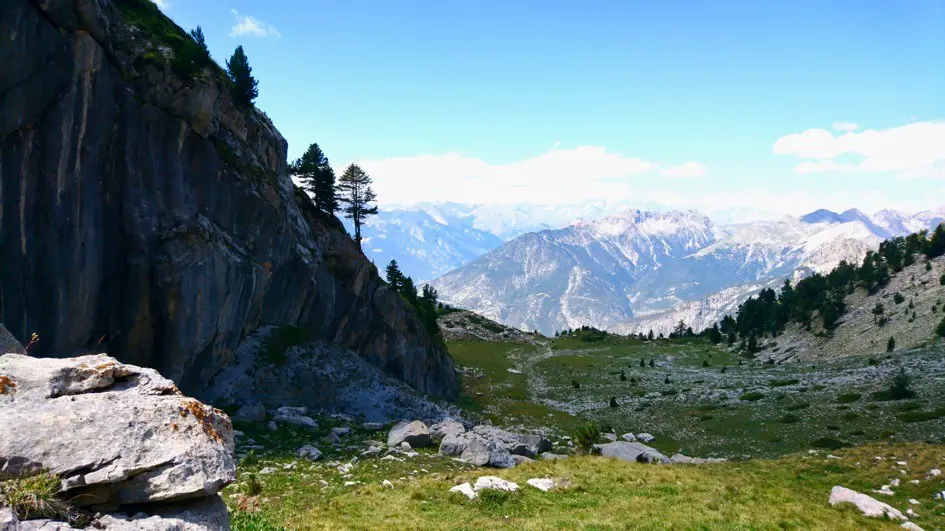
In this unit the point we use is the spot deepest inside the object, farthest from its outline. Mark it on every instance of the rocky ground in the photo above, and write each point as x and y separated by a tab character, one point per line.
463	325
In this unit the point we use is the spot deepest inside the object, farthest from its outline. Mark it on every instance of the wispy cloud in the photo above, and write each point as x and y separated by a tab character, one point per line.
249	26
915	150
688	170
557	176
845	127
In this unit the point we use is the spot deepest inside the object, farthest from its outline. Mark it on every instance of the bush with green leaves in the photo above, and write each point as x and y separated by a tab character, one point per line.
898	298
587	436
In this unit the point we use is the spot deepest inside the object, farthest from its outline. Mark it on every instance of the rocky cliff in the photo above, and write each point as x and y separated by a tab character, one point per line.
143	212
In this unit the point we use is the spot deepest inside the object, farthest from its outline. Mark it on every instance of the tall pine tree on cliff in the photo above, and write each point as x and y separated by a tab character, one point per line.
317	177
357	198
241	74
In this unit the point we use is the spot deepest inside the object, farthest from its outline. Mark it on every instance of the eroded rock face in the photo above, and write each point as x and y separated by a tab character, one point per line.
149	215
490	446
116	434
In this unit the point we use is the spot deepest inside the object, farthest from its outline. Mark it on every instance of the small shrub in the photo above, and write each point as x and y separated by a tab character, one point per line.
857	433
922	416
782	383
790	418
705	363
928	266
623	376
909	406
613	402
850	416
587	436
891	344
252	487
752	396
798	406
669	392
35	496
833	427
872	362
898	298
846	398
575	384
898	389
667	380
828	443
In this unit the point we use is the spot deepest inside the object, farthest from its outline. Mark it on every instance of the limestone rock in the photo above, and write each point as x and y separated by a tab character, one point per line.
310	452
9	344
465	489
446	428
494	483
115	433
251	413
645	437
542	484
414	433
548	456
866	504
627	451
295	416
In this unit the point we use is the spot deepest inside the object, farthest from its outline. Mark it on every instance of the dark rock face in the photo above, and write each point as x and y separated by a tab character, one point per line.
149	215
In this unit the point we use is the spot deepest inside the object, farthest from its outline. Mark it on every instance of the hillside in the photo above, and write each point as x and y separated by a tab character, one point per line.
911	323
145	213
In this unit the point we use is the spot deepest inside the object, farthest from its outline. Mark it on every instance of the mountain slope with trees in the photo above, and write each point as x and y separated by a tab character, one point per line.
894	298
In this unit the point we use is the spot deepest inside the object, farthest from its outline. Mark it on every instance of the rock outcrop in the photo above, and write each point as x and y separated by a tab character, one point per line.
144	213
117	436
490	446
631	451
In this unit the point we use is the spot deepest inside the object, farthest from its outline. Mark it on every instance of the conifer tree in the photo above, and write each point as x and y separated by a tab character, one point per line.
198	37
394	276
358	198
317	178
245	87
891	344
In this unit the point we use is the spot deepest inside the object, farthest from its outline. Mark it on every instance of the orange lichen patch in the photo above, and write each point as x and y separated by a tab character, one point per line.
205	418
7	385
267	266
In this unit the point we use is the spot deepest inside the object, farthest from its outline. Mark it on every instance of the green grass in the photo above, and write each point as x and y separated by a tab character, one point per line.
188	59
36	496
601	493
922	416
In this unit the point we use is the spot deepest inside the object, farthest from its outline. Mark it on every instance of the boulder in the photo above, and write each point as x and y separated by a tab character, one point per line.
310	452
465	489
628	451
494	483
548	456
629	437
445	428
116	434
645	437
542	484
521	460
203	514
251	413
414	433
866	504
519	444
9	344
612	437
295	416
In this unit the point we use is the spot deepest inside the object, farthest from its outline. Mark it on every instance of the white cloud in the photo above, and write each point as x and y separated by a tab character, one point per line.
687	170
558	176
163	5
252	27
845	127
915	150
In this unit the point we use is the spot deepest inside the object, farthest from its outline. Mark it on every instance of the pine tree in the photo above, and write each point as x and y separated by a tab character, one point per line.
891	344
394	276
357	198
705	363
317	177
409	290
245	85
878	310
650	335
198	37
651	362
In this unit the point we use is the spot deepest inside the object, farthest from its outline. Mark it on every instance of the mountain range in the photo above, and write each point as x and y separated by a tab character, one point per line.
638	270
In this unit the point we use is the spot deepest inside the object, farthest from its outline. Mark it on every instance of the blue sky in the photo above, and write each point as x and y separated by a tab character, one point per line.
689	104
